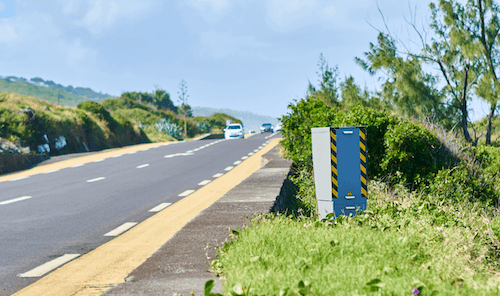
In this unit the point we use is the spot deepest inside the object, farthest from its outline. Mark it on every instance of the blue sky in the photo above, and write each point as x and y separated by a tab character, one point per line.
247	55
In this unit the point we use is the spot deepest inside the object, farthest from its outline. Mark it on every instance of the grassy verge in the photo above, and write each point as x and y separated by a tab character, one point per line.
405	242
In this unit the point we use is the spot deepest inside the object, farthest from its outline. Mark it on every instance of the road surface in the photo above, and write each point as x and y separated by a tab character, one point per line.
52	217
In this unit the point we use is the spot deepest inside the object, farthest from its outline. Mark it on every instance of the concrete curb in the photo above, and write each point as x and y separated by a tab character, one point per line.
181	264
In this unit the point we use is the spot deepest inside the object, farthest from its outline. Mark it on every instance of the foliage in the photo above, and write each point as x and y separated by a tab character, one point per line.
411	153
328	88
405	241
304	115
171	129
216	122
96	109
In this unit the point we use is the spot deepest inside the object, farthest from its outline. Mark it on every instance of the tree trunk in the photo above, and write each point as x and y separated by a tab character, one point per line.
488	123
463	107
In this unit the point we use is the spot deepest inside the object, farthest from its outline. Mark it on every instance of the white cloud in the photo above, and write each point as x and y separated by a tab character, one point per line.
8	34
214	6
2	6
76	54
285	13
103	14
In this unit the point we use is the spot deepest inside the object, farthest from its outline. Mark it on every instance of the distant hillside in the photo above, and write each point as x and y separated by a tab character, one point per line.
86	92
251	121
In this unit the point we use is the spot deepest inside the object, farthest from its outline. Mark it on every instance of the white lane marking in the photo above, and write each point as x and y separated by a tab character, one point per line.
244	157
99	160
14	200
251	153
96	179
237	162
53	171
145	149
21	178
157	146
169	156
116	156
78	165
205	182
143	166
133	152
186	193
189	151
121	229
160	207
218	175
260	147
186	154
256	150
228	168
51	265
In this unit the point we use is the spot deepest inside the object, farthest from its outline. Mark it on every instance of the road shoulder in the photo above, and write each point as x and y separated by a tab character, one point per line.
181	264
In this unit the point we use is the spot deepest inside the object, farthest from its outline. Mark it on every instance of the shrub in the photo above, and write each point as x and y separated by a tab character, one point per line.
171	129
96	109
296	130
412	153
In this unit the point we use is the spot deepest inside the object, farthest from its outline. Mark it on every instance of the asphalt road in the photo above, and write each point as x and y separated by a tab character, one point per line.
69	211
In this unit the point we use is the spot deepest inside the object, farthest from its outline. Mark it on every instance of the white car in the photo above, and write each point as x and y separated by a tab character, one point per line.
277	128
234	131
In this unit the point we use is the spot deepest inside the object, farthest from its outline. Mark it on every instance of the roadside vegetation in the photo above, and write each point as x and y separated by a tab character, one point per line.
134	118
432	224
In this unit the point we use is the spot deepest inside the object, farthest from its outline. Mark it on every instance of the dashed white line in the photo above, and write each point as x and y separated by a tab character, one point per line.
116	156
189	151
78	165
186	193
143	166
237	162
170	156
99	160
145	149
228	168
49	172
244	157
121	229
218	175
160	207
132	152
44	268
21	178
256	150
96	179
251	153
14	200
205	182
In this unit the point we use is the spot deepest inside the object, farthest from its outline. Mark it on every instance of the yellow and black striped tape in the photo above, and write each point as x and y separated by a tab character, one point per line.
335	184
363	156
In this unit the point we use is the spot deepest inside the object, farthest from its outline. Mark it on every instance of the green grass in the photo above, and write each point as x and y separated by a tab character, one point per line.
405	241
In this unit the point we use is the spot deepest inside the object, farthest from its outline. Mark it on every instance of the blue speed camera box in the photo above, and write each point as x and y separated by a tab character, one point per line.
340	169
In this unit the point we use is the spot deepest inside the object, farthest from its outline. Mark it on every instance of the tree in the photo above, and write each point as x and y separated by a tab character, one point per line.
351	93
328	88
183	98
161	100
474	28
407	86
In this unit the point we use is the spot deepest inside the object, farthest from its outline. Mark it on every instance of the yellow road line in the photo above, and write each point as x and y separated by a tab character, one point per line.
108	265
77	161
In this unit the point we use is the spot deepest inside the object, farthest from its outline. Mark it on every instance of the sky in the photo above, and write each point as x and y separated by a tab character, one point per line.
245	55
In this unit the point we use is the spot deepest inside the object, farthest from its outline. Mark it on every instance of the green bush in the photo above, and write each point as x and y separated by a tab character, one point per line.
96	109
412	153
296	130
